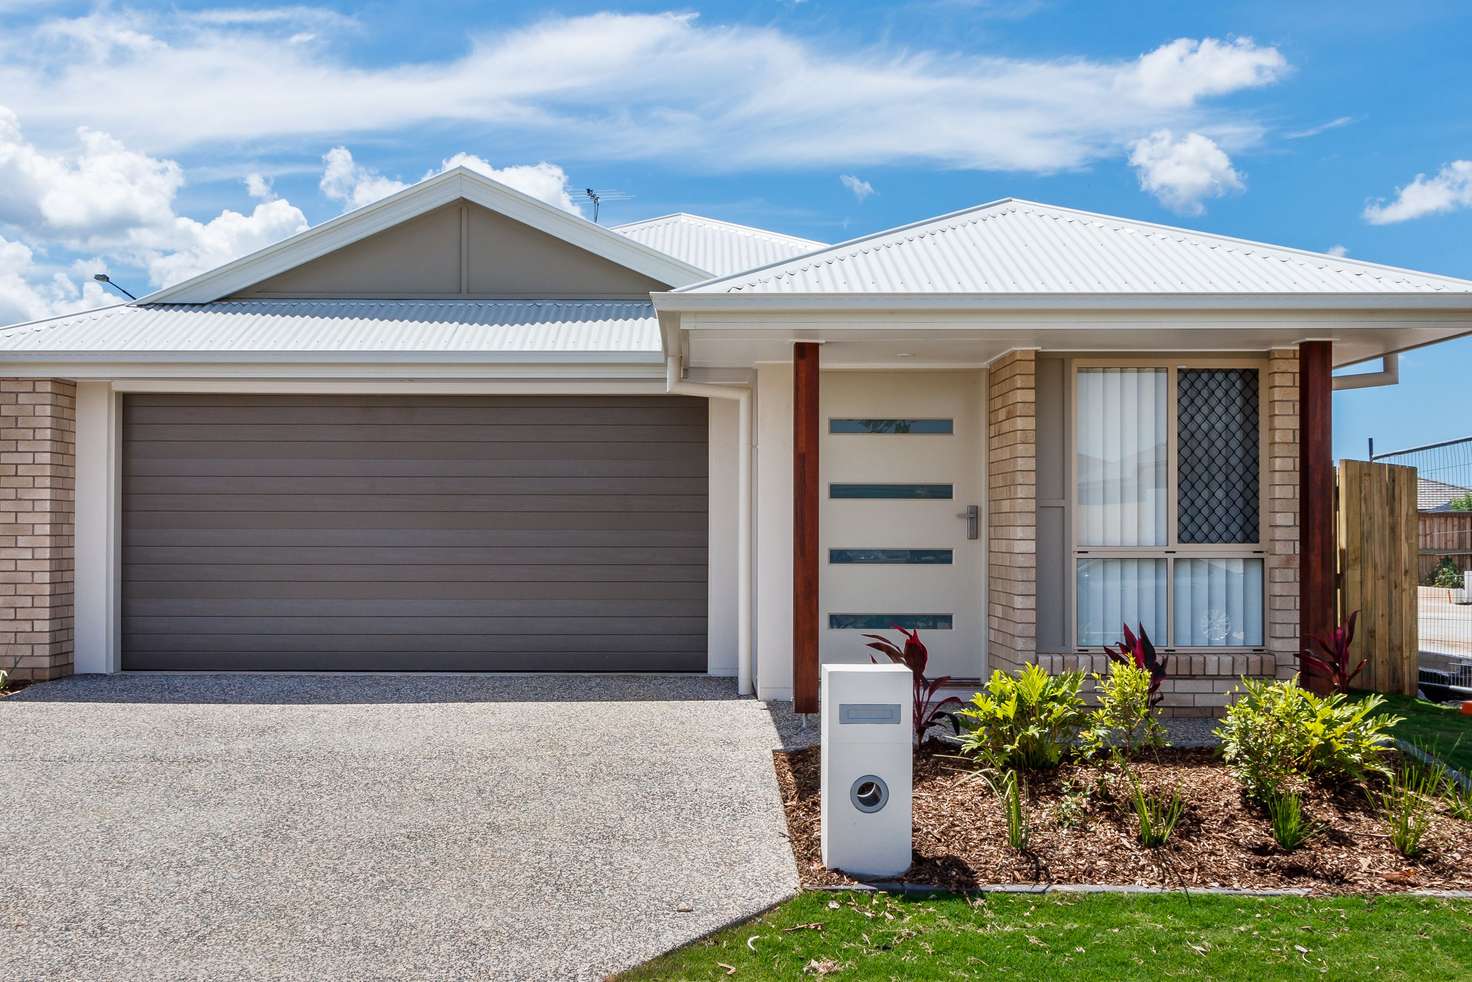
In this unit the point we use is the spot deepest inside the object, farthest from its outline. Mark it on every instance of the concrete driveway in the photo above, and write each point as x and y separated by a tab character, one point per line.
380	826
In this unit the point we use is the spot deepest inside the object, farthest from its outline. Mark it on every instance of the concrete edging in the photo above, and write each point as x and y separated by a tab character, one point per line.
1122	888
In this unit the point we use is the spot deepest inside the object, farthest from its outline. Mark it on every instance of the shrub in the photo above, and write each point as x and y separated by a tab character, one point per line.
1462	503
1285	814
1279	734
1139	652
1408	803
1458	798
1125	718
1158	813
915	656
1332	662
1446	574
1018	832
1028	719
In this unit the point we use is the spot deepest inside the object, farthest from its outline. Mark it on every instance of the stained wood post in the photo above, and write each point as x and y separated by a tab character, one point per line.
805	500
1316	613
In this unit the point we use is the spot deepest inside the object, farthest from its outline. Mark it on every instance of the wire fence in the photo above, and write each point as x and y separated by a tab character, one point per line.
1444	615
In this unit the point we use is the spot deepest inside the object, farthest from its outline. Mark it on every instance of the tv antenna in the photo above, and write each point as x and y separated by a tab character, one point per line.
598	197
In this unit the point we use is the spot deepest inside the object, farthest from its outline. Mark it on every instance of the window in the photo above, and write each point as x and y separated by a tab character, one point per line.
892	426
1168	502
890	491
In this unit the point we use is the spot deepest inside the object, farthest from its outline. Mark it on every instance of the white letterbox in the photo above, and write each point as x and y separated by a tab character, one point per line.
867	769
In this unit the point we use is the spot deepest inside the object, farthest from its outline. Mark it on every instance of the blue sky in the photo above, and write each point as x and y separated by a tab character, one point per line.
155	141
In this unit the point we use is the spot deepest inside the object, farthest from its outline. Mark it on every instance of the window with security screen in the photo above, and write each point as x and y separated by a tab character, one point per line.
1218	484
1167	502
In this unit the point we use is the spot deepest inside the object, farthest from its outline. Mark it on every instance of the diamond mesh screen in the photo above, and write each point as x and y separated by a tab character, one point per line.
1217	429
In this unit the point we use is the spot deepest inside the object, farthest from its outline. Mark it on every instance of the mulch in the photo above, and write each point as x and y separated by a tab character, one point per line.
960	833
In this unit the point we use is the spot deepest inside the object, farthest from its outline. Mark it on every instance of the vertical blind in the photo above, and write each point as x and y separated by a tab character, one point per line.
1121	454
1115	592
1218	602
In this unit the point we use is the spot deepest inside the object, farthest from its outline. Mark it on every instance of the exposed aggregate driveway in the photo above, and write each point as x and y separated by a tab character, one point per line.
324	827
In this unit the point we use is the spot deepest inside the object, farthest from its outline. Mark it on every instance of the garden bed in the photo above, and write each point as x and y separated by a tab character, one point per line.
1083	832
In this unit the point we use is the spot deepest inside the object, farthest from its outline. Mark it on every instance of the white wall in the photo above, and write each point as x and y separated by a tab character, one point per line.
773	548
722	560
97	572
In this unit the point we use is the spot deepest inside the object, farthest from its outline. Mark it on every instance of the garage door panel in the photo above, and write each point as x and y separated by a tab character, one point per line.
588	449
439	484
406	627
511	643
399	537
416	555
425	660
690	466
609	414
245	573
259	520
414	533
418	502
393	435
394	590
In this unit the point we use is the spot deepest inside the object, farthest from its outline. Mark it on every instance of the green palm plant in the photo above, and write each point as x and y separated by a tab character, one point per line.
1027	719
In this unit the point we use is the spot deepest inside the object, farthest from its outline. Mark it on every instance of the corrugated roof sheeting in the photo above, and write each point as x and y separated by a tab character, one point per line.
452	326
1017	247
722	248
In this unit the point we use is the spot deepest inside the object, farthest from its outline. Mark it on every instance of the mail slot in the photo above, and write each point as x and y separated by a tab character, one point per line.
869	712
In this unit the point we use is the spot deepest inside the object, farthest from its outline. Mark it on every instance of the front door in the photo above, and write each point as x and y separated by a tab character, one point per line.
901	521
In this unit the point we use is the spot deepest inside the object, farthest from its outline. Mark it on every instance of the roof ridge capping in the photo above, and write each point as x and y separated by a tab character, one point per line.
898	236
410	202
737	226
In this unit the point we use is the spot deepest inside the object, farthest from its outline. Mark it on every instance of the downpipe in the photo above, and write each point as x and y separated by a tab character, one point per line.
675	386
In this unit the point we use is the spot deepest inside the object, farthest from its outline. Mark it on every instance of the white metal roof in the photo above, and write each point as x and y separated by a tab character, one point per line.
1020	247
551	330
720	247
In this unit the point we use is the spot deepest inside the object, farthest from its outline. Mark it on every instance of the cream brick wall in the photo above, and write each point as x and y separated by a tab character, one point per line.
1283	483
1012	510
37	494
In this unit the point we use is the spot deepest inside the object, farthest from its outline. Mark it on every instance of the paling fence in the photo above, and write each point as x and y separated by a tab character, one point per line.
1444	558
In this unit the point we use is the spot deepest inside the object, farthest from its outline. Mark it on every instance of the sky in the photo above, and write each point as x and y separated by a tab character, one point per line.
154	142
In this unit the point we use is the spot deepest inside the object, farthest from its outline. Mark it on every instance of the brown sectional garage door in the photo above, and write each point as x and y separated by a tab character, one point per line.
486	533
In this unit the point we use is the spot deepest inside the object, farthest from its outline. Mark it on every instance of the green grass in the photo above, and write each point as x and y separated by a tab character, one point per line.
1434	728
1104	936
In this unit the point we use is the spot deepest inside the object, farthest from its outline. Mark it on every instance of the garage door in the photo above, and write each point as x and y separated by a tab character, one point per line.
414	533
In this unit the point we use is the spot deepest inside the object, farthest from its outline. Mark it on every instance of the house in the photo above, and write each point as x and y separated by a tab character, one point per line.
460	429
1438	496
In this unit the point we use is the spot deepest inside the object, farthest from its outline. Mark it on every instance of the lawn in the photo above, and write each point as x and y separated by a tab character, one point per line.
1106	936
1436	728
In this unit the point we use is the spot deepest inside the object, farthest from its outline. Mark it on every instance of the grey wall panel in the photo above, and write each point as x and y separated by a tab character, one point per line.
553	533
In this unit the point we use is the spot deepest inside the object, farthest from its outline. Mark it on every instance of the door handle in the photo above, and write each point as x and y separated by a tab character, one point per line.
972	514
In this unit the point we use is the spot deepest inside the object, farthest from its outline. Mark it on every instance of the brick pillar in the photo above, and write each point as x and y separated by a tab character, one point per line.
38	444
1283	492
1012	563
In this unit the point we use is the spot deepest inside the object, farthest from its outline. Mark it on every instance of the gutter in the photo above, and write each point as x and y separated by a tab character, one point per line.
676	386
1389	374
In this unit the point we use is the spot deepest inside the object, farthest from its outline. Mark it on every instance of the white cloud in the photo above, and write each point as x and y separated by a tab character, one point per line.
544	181
186	247
259	187
347	181
635	86
103	198
1332	124
1183	172
29	293
860	189
1338	250
1448	190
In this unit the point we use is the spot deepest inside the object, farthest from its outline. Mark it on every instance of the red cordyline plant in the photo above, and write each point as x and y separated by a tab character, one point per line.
1333	663
1139	652
914	656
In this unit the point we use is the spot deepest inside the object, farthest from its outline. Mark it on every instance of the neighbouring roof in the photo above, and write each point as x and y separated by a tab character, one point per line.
1434	495
1021	247
720	247
548	330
